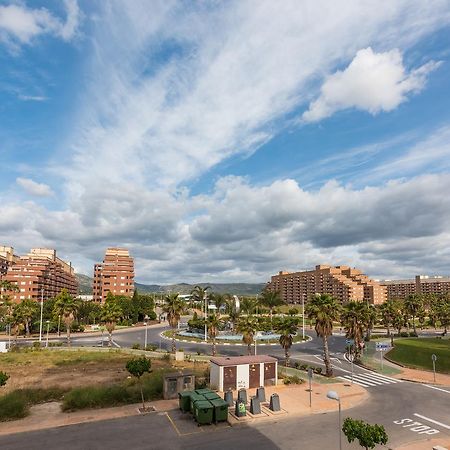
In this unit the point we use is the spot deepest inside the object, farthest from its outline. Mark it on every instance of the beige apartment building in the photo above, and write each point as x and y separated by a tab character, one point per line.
421	284
7	258
115	274
342	282
40	275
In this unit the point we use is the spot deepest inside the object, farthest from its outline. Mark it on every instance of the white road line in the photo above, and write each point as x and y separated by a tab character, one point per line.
356	382
433	421
116	344
384	377
438	389
364	380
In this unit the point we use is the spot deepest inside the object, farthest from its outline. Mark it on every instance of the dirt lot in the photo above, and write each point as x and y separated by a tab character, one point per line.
59	368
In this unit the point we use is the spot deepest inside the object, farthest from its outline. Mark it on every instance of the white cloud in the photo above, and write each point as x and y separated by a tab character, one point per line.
19	24
33	188
372	82
32	98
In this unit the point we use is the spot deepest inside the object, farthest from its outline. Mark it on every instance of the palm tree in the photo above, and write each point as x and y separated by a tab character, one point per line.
387	313
413	305
370	319
248	305
232	311
110	314
352	319
398	320
213	330
248	327
173	308
271	299
25	311
200	294
287	329
66	307
324	309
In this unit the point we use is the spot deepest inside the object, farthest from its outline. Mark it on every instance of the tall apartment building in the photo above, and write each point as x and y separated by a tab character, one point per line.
422	284
41	274
115	274
342	282
7	258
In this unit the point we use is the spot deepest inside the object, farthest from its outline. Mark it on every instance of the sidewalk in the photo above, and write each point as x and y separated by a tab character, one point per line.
425	445
294	400
423	376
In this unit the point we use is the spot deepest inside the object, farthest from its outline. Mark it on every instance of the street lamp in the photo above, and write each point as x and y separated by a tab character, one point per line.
333	395
42	312
303	316
146	329
205	297
48	326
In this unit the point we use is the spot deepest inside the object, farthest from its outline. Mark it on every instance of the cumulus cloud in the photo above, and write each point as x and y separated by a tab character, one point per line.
372	82
20	24
33	188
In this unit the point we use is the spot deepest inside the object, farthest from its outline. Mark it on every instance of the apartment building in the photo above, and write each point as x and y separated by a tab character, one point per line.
7	258
115	274
342	282
421	284
41	275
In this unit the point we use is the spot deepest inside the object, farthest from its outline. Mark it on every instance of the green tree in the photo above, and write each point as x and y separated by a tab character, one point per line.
398	320
231	310
352	319
367	435
200	295
287	328
111	313
3	378
7	286
324	310
413	304
25	312
248	305
138	367
270	299
173	307
387	313
67	307
370	319
213	323
247	326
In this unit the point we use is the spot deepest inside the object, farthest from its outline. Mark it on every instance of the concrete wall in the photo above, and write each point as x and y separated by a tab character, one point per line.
242	378
216	377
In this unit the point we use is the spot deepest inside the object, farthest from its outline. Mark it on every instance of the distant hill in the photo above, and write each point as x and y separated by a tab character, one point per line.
85	287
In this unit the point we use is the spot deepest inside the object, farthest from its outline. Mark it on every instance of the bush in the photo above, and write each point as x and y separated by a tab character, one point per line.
151	348
412	334
318	370
136	346
3	378
55	344
36	345
294	379
404	334
13	406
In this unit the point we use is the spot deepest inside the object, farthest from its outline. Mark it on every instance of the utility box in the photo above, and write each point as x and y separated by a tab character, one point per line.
243	372
177	382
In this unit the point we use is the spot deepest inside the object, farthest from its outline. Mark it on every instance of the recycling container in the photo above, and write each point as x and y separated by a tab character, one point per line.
220	410
194	397
203	412
184	400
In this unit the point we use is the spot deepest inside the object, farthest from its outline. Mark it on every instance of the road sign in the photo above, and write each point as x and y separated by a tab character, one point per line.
310	373
434	357
382	346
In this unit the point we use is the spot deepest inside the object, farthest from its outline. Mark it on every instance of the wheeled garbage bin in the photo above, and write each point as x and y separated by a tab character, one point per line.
212	396
184	400
203	391
203	412
194	397
220	410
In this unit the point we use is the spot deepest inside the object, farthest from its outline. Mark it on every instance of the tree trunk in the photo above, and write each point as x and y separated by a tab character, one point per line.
214	347
142	395
68	336
249	349
414	324
27	328
174	345
109	338
326	358
287	355
271	316
388	331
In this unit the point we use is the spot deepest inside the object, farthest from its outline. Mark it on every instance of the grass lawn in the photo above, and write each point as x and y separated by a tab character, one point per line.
416	353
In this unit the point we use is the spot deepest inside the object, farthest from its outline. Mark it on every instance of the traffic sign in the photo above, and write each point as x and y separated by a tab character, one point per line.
382	346
434	357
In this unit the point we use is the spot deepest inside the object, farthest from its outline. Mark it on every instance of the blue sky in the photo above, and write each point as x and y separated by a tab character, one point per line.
224	141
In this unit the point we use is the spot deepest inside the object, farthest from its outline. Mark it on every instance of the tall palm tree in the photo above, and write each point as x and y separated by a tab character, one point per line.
287	329
231	310
214	323
324	309
25	311
387	313
398	320
200	294
370	319
413	305
271	299
248	326
248	305
67	307
110	314
173	308
353	319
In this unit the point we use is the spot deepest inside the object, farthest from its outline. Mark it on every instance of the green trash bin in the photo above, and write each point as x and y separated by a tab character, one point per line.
203	412
203	391
184	400
194	397
211	396
220	410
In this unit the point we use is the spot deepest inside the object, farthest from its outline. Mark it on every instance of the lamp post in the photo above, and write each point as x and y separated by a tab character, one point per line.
333	395
42	312
303	316
48	326
205	297
146	330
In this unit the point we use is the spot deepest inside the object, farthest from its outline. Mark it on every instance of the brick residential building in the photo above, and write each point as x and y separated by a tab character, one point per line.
421	284
115	274
342	282
41	274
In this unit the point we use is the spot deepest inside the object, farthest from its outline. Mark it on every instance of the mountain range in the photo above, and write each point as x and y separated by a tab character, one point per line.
85	287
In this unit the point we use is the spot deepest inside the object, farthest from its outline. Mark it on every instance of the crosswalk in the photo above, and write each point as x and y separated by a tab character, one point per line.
370	379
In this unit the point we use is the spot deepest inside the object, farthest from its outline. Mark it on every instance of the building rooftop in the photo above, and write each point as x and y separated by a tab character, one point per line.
236	360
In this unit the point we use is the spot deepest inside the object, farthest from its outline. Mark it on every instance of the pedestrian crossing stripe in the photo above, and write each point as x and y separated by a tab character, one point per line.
370	380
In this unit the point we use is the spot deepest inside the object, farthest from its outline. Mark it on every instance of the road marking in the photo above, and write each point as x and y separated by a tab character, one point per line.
438	389
416	427
375	379
360	383
115	343
433	421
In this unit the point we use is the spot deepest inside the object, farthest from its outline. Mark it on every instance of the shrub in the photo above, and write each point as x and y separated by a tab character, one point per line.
55	344
412	334
303	366
13	406
36	345
136	346
318	370
3	378
404	334
294	379
297	365
151	348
